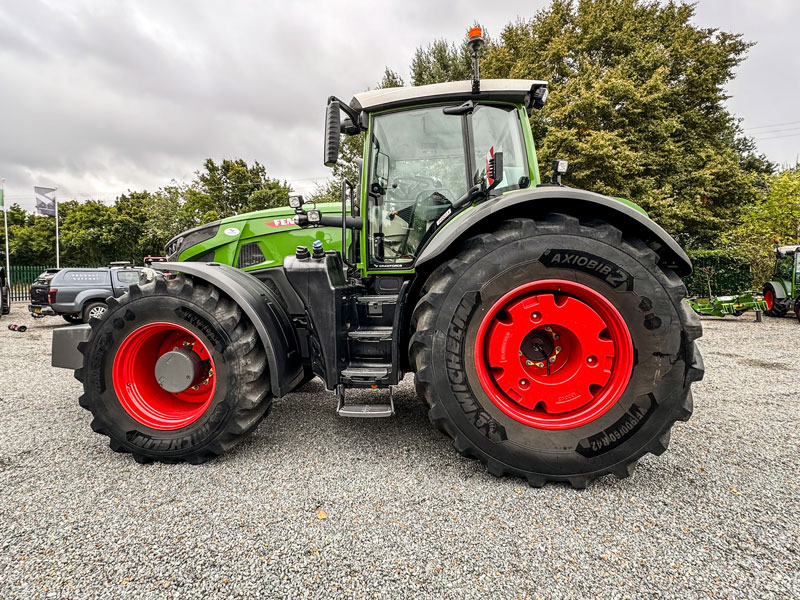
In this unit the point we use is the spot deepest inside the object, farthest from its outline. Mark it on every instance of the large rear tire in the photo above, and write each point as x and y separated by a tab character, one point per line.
229	392
555	350
776	306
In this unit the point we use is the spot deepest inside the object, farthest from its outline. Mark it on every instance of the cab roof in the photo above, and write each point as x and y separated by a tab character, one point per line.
517	91
787	250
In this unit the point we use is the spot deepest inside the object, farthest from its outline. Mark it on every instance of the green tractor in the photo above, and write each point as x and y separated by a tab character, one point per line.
781	294
545	326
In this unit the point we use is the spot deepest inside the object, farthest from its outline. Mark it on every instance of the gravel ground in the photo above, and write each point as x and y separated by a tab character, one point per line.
314	506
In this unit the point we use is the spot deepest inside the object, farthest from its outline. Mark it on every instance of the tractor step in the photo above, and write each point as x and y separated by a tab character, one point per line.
369	411
375	304
377	299
365	375
374	334
366	410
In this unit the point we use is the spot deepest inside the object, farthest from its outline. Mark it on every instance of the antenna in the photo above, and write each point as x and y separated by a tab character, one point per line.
475	43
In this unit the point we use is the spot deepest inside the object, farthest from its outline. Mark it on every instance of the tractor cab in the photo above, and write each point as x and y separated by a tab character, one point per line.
787	263
431	151
781	293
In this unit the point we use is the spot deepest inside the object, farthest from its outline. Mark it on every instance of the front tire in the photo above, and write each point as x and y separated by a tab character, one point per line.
555	350
229	391
776	306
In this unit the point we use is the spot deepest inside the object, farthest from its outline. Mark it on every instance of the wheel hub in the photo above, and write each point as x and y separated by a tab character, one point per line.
538	345
554	354
179	369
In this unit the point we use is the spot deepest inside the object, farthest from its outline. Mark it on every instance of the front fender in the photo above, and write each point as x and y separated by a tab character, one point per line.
264	310
538	201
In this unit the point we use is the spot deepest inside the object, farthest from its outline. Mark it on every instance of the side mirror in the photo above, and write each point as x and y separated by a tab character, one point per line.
494	168
539	98
333	130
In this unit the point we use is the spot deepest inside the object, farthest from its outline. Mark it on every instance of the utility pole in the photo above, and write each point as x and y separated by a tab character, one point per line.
58	251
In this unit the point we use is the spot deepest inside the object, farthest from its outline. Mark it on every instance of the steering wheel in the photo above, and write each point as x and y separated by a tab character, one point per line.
412	186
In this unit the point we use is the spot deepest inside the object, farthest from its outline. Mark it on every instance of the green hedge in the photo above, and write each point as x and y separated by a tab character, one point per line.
727	272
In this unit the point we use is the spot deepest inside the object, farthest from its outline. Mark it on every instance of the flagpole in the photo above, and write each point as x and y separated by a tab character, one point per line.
58	253
5	225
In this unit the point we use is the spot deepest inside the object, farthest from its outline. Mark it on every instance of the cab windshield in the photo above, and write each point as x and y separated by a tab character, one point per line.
421	161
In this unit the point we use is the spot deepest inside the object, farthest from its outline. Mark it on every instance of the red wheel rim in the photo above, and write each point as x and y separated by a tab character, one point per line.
553	354
133	376
769	298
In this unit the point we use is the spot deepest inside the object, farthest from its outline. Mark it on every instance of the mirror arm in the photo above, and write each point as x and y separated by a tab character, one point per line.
473	193
348	110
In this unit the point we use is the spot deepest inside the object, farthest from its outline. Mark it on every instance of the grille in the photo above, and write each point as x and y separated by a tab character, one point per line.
249	255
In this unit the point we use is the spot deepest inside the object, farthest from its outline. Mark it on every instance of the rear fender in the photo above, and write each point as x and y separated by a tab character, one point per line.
780	288
536	202
264	310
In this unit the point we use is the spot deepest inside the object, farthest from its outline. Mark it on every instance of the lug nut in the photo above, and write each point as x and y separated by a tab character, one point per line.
523	382
528	363
591	360
536	316
552	359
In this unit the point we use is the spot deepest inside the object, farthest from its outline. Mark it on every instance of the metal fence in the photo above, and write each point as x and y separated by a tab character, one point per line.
21	279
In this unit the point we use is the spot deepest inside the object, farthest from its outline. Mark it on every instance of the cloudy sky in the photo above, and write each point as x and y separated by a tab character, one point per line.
98	97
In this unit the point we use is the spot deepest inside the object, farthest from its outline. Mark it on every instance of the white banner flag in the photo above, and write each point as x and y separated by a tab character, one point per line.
45	201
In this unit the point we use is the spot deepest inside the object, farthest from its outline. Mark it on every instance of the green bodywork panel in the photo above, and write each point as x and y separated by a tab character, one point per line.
273	230
729	305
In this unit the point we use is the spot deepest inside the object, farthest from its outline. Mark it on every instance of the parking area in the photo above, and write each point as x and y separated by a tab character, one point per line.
315	506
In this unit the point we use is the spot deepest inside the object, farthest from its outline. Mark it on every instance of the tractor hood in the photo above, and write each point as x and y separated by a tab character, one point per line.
271	235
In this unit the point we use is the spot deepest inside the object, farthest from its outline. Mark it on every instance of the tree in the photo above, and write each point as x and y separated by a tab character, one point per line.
636	105
235	187
776	215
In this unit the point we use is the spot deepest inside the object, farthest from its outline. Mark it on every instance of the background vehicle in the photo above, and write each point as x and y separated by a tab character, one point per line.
5	293
781	293
78	294
545	325
39	306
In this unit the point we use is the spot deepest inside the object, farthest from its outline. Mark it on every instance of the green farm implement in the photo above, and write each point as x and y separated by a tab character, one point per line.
720	306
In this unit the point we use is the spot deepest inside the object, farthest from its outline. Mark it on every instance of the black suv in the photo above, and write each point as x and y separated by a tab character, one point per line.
5	293
39	306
